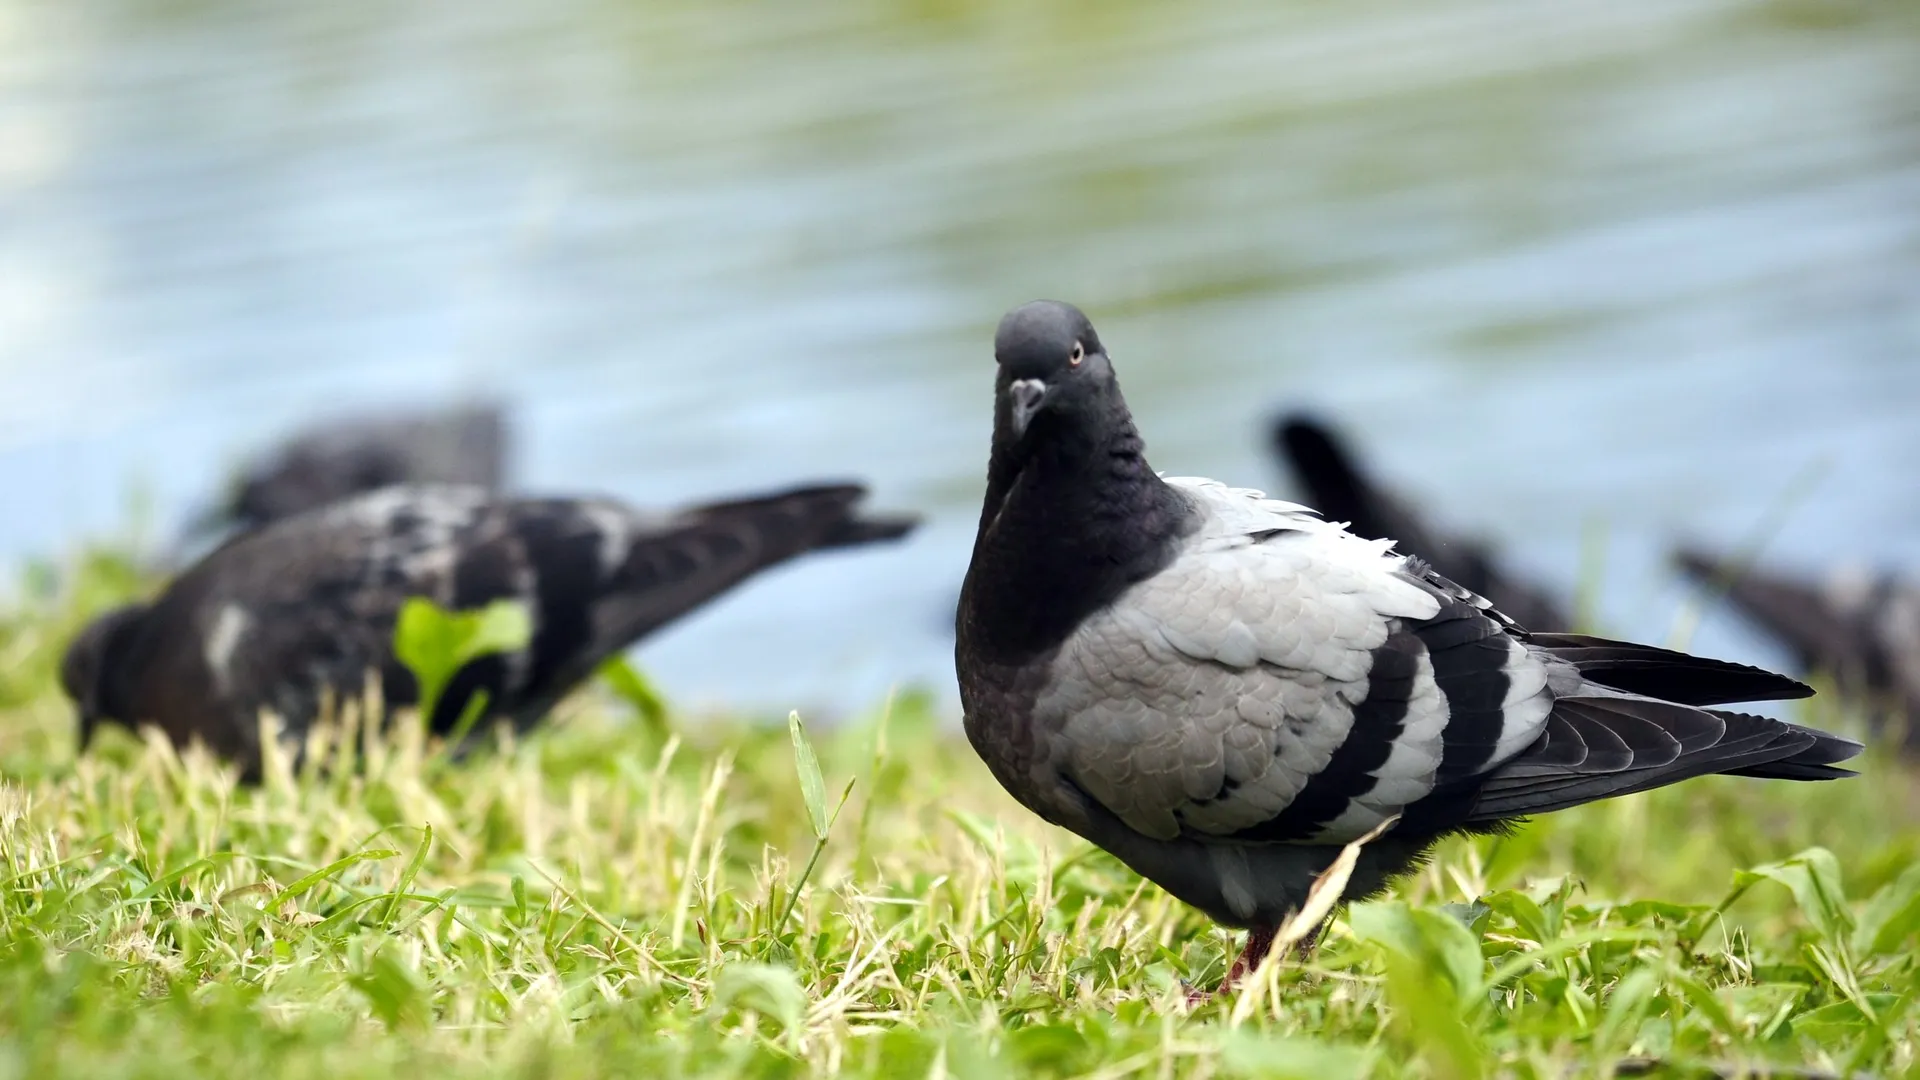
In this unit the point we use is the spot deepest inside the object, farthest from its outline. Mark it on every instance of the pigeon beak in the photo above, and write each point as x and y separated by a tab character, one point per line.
1028	396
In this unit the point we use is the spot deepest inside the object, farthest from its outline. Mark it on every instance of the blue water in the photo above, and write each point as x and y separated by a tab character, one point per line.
1638	270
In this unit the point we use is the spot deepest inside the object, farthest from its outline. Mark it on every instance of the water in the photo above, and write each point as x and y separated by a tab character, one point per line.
1638	268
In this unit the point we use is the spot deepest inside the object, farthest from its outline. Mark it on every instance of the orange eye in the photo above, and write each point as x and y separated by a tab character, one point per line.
1079	353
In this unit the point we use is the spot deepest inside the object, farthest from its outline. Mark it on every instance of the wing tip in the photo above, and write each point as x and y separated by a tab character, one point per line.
873	529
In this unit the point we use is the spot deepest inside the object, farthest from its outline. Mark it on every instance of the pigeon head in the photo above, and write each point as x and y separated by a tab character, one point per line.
1051	361
84	668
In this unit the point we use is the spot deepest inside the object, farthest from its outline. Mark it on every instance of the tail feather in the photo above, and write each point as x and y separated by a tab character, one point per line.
871	530
1602	747
1816	762
808	518
1668	675
709	549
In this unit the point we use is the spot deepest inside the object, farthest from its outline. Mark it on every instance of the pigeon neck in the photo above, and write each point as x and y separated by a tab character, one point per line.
1069	523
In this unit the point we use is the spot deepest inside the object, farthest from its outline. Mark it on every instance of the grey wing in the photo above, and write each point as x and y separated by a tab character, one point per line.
1285	681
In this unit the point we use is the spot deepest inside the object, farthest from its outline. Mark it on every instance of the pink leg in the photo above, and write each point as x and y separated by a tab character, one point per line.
1259	940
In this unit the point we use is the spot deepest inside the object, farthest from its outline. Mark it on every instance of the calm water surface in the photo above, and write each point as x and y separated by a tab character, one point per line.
1642	269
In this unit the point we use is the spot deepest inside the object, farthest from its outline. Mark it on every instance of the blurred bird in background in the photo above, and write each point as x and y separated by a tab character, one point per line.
303	609
341	456
1860	628
1339	486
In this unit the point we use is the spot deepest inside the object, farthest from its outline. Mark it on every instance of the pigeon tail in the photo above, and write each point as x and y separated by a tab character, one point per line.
1654	672
1601	747
878	528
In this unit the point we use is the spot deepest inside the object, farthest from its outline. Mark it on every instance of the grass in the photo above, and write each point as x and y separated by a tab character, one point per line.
609	898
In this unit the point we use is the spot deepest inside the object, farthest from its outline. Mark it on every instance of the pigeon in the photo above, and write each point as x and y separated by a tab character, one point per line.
281	617
1223	690
1340	489
332	461
1860	627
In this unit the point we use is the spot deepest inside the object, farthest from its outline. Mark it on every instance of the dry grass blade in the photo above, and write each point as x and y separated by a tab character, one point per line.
1325	893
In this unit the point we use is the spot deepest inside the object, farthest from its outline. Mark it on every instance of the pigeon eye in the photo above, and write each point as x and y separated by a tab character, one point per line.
1078	354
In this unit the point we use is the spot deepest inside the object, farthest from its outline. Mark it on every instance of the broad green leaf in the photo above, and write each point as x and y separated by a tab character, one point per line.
435	643
813	789
903	1051
503	626
1473	916
1891	917
1520	963
1426	1012
1526	914
1705	1005
1627	1005
638	691
1386	922
1434	940
1666	911
394	991
1052	1048
768	989
1243	1053
1456	947
1838	1022
1813	876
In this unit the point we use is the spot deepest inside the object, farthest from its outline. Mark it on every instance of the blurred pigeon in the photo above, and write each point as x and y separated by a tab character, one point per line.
1861	628
277	617
1223	690
346	457
1340	489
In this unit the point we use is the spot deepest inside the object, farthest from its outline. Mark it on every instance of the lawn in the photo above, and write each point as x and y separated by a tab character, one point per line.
627	893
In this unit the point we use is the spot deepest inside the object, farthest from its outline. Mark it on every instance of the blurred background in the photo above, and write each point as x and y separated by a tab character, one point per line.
1585	278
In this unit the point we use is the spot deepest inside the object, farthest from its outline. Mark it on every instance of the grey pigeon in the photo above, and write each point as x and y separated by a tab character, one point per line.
277	617
1339	487
1860	627
1223	690
345	457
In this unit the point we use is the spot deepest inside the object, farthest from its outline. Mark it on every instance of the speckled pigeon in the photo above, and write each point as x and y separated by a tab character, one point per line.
277	617
1340	489
1223	690
1860	627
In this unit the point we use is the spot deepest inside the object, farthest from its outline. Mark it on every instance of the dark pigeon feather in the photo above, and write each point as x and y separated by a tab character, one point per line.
1224	690
344	457
284	616
1861	629
1663	673
1339	487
